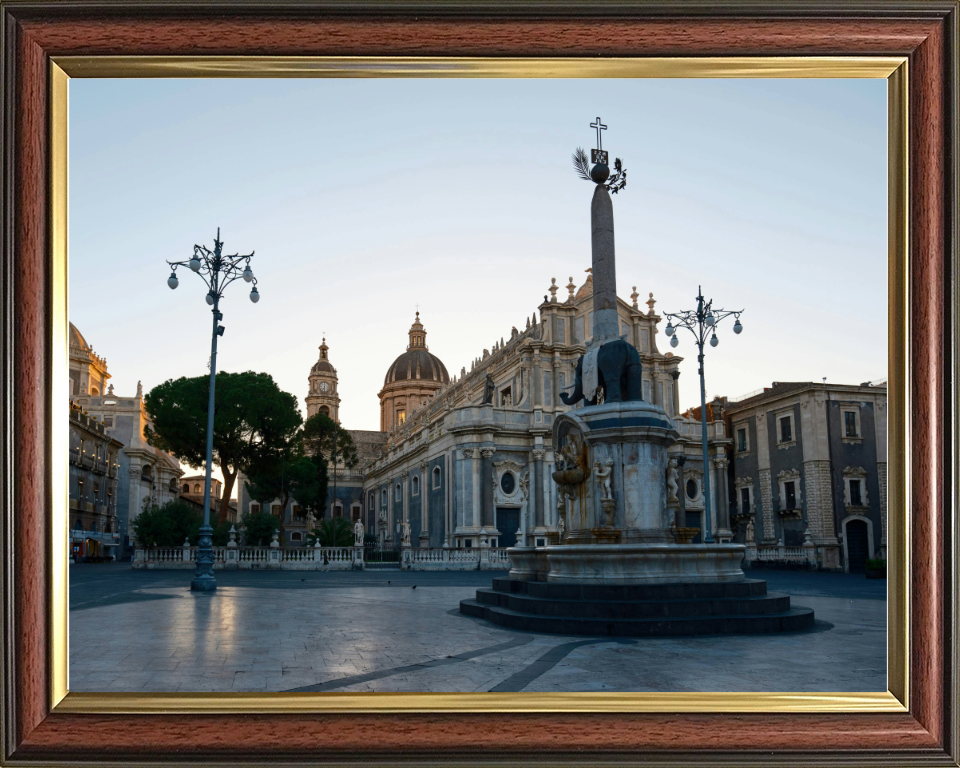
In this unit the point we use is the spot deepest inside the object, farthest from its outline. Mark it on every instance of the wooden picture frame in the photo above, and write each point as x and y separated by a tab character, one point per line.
45	41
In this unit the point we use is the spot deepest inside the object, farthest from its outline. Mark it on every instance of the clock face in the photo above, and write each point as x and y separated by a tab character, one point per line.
324	387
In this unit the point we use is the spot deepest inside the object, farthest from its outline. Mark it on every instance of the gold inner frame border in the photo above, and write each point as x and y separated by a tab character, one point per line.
892	69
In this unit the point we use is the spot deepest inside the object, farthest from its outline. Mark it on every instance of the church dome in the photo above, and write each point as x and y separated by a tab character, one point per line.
323	364
76	338
417	364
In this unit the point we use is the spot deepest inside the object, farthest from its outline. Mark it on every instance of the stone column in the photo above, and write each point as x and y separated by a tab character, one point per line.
606	322
536	481
405	512
676	392
474	455
723	532
391	491
557	362
537	382
682	494
424	480
486	484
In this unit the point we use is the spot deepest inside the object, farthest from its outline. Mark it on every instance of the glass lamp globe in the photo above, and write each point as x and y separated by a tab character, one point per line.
195	263
172	281
248	274
674	341
708	320
737	327
254	295
669	330
210	299
714	340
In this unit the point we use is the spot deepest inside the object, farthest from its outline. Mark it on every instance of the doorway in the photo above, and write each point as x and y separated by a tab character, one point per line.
508	523
857	546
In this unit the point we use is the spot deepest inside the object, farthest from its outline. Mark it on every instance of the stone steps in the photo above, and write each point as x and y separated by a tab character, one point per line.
637	610
612	609
792	620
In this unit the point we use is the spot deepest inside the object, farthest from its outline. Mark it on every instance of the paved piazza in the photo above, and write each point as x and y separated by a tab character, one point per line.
372	631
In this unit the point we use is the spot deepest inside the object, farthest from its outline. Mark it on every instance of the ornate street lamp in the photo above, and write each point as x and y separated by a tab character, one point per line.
700	322
217	272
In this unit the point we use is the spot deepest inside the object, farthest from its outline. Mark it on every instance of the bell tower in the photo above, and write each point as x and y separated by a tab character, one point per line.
323	396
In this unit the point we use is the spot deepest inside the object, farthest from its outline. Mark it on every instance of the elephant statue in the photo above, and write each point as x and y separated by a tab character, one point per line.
618	373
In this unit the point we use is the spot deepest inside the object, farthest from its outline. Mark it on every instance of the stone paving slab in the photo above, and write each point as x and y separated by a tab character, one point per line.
374	636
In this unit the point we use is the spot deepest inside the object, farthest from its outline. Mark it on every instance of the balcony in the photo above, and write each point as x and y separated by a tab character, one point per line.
100	467
87	461
74	504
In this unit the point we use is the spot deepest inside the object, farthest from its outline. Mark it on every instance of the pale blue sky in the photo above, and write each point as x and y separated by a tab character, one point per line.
363	198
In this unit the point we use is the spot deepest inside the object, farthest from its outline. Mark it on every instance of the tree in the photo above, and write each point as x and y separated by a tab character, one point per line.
253	419
323	436
332	533
283	477
258	528
167	525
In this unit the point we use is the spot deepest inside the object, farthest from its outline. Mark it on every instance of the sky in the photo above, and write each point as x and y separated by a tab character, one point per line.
364	198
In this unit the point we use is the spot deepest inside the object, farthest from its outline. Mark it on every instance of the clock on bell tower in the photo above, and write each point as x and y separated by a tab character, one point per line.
323	397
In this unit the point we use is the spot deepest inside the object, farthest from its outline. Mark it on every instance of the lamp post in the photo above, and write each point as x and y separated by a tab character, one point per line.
217	272
700	322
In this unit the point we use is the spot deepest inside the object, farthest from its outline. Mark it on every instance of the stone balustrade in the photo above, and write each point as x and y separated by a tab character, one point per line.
254	558
806	553
322	558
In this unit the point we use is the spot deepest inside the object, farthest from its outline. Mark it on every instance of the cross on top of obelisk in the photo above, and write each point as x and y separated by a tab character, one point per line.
598	155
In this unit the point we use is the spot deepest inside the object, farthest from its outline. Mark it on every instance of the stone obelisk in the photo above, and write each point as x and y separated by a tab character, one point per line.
606	323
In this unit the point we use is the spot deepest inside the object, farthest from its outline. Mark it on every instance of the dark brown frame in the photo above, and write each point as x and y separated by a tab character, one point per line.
925	32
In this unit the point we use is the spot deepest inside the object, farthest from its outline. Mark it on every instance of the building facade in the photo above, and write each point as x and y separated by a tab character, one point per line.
94	468
322	396
812	458
472	463
146	475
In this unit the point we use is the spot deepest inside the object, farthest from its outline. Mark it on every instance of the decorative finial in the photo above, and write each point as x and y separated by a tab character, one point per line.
553	290
635	296
571	288
600	173
650	302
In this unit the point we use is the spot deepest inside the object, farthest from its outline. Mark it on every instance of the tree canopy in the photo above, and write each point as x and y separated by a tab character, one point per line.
167	525
323	436
254	421
289	476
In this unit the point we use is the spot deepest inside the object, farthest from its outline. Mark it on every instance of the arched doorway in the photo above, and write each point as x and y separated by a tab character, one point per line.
858	548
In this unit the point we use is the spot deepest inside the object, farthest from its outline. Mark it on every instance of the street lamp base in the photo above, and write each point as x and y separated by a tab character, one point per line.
205	583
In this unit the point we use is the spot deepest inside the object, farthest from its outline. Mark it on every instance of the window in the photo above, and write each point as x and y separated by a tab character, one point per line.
508	483
275	509
790	490
786	429
506	395
468	543
742	439
855	498
401	417
644	340
415	484
399	492
355	511
324	410
851	423
338	509
297	512
254	509
295	536
108	421
693	489
197	489
436	477
745	500
383	497
96	493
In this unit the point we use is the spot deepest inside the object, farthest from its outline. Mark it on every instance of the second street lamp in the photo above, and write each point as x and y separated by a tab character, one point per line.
700	322
217	271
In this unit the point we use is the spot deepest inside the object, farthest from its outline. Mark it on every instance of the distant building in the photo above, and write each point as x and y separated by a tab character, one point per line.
146	475
94	466
191	492
808	456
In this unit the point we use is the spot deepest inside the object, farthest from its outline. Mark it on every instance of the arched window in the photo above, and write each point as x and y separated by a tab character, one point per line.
197	489
324	410
416	485
383	497
399	495
436	477
186	487
78	526
370	501
173	485
146	473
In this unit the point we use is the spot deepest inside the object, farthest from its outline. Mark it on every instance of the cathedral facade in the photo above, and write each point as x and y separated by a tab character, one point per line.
468	461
